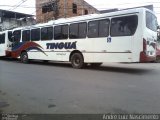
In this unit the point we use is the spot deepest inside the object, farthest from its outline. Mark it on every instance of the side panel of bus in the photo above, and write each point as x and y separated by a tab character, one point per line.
118	45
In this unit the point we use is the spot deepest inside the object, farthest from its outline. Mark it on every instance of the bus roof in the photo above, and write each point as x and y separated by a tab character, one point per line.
86	18
96	16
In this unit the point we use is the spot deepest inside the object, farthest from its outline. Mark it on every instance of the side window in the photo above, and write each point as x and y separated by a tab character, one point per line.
26	35
78	30
57	32
50	33
47	33
82	30
17	35
65	31
10	36
98	28
35	34
93	29
151	21
2	38
124	26
73	31
61	32
104	28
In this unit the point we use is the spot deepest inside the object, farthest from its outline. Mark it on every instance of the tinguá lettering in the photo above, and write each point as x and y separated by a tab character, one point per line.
62	45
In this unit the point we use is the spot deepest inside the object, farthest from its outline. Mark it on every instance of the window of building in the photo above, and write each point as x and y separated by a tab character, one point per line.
2	38
35	34
44	9
93	29
48	8
74	8
61	32
26	35
86	12
47	33
17	35
124	26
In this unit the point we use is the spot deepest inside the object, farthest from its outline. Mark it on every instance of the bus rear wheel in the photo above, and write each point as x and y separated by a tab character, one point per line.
77	61
24	57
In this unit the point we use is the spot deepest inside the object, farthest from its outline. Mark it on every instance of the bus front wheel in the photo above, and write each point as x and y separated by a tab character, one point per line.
24	57
77	61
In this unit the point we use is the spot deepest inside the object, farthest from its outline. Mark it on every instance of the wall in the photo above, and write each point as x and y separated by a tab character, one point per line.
64	9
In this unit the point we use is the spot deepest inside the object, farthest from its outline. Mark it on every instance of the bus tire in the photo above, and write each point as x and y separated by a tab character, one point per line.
77	61
24	57
96	64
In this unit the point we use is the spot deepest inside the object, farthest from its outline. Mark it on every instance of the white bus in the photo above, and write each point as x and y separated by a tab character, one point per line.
122	36
5	43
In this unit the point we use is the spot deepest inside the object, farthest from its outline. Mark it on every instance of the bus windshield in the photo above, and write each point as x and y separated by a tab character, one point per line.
151	21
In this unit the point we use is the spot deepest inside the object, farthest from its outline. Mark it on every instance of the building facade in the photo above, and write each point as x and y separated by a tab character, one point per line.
10	20
54	9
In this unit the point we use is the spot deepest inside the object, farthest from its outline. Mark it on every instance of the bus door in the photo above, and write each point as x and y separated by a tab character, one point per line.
9	41
2	44
16	37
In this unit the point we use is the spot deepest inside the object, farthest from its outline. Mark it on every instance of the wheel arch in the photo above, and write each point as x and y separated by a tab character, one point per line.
75	51
23	51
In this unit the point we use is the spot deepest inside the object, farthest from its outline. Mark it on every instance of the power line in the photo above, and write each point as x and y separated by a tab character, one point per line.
30	7
33	13
126	3
19	4
22	6
22	1
39	7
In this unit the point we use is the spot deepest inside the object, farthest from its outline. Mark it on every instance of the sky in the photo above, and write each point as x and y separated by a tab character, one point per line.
28	6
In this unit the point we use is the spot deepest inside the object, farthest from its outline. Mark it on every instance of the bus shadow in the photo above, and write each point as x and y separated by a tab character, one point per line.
52	64
8	59
138	71
125	69
130	70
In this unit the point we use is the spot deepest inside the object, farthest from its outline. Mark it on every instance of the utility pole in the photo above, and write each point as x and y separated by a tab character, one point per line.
64	8
56	9
83	7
